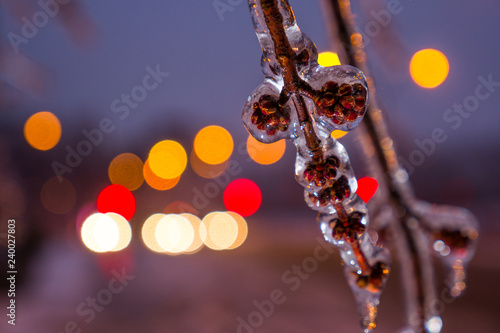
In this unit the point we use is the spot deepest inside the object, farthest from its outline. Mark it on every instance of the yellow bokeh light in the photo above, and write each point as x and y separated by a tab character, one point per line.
42	130
429	68
337	134
206	170
100	233
156	182
58	196
203	231
174	233
328	59
197	241
127	170
242	230
167	159
213	144
218	230
263	153
148	233
223	230
124	231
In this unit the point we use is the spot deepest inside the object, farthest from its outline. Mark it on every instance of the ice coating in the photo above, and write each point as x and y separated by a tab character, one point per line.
264	118
304	102
300	43
453	236
334	97
342	99
367	286
338	232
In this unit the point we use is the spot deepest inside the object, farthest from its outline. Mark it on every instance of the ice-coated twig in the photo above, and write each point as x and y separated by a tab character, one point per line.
304	102
421	228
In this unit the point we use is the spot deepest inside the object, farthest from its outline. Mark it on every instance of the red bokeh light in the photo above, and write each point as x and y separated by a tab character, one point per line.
242	196
367	187
116	199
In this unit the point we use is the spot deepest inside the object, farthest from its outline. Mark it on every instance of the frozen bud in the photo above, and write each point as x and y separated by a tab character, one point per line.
375	280
350	229
319	173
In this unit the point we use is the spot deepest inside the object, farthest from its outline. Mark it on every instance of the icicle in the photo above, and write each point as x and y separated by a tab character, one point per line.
367	285
366	266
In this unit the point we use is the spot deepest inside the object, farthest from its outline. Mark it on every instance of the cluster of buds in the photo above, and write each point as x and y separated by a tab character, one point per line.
374	281
321	172
350	229
334	193
341	104
457	241
269	116
302	101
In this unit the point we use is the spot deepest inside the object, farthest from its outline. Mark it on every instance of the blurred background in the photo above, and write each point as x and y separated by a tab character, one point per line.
91	93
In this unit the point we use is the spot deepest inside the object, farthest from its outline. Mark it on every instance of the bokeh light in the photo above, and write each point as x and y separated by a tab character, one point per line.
213	144
203	231
167	159
242	196
218	230
42	130
327	59
242	230
263	153
124	231
337	134
434	324
206	170
127	170
116	199
429	68
156	182
174	233
58	196
197	243
148	233
367	187
100	233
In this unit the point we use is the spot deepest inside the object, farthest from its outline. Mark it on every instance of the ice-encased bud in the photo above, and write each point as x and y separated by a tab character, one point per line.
304	48
319	173
453	239
265	118
341	95
330	98
327	181
338	232
314	174
367	286
335	193
455	227
340	191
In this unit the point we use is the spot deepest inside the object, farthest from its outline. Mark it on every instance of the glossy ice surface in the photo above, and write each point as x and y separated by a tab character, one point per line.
304	102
